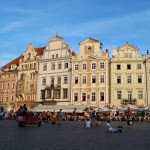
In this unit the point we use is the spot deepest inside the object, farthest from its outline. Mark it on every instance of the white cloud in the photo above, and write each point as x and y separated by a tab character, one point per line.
11	26
110	25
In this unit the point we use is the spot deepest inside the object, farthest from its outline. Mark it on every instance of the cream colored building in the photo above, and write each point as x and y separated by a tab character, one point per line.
128	77
148	77
27	77
54	76
91	75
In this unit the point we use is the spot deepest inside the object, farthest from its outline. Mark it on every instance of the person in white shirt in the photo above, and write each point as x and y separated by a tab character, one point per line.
113	130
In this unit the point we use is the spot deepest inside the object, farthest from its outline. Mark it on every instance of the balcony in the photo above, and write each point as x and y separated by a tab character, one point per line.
128	101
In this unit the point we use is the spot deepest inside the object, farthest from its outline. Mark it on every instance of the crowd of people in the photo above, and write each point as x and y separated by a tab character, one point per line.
90	118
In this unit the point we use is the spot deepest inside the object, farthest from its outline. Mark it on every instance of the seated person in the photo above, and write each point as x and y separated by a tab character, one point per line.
88	123
113	130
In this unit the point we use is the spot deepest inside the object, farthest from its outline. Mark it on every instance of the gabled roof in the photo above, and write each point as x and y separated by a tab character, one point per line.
39	50
90	39
15	61
129	45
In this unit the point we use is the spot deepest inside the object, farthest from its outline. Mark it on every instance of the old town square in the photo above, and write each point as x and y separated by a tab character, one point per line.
69	137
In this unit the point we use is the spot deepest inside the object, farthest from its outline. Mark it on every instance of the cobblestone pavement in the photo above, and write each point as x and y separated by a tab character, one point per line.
69	137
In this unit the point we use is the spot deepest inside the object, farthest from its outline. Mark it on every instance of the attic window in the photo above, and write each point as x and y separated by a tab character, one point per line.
89	48
29	56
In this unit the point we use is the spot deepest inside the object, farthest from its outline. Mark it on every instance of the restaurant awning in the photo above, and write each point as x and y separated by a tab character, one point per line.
66	109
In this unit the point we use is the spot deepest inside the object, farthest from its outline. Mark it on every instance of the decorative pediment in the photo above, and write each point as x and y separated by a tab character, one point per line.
56	38
127	47
89	40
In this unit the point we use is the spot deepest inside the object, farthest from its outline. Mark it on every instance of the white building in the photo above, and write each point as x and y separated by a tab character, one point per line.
54	76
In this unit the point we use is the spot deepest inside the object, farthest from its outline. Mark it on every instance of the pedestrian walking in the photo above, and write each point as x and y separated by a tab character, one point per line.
60	116
74	114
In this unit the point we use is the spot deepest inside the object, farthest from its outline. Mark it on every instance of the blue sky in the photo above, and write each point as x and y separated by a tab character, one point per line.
113	22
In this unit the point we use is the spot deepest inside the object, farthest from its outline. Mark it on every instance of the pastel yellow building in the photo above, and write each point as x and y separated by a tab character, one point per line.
128	77
90	75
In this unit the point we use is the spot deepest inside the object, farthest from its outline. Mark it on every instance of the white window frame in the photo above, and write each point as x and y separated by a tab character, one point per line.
93	65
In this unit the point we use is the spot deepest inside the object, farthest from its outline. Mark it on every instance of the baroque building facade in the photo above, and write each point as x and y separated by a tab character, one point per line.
8	80
54	75
91	75
128	77
27	77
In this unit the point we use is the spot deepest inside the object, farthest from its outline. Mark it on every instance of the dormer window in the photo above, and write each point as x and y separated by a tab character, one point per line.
29	56
89	48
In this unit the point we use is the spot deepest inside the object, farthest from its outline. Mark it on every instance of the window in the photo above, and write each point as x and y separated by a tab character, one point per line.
118	79
128	66
129	95
83	96
75	97
93	65
44	67
118	94
102	79
89	48
56	55
84	80
12	98
129	79
76	80
130	55
44	82
93	79
57	94
118	67
7	85
34	65
139	66
101	96
102	65
31	87
53	56
93	97
76	67
49	93
139	79
53	67
65	93
65	80
66	65
140	94
84	66
59	66
30	76
52	82
59	80
33	75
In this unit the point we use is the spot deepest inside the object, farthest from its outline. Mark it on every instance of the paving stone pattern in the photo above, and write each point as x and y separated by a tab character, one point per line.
69	137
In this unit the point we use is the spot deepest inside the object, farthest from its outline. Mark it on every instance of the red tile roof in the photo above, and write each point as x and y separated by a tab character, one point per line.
15	61
40	50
